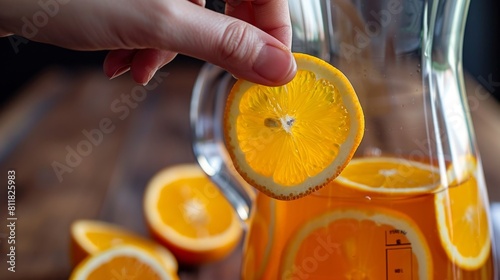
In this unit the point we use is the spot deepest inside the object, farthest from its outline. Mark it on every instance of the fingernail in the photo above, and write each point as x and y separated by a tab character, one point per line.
150	76
275	64
120	71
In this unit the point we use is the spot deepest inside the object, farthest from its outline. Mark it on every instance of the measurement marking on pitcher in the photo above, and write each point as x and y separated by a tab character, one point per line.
396	237
398	254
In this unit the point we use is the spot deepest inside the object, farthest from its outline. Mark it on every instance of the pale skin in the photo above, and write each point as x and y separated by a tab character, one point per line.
251	40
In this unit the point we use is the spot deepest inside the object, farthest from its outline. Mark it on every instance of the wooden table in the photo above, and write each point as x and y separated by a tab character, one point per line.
54	114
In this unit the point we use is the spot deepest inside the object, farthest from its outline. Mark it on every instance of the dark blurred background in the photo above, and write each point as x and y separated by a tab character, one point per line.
21	63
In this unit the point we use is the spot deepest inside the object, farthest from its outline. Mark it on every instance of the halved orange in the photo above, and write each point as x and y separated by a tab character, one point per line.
89	237
187	213
122	262
291	140
390	176
463	220
358	243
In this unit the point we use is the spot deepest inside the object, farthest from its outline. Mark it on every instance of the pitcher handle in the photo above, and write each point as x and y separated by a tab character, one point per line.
206	115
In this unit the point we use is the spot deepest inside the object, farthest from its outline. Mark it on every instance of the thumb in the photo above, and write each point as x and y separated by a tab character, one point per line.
241	48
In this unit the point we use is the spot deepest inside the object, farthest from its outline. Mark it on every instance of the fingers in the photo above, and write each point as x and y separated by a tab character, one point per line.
142	63
259	53
201	3
272	16
118	62
241	9
242	49
146	62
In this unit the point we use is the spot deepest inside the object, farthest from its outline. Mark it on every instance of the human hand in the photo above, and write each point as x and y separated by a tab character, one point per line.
252	41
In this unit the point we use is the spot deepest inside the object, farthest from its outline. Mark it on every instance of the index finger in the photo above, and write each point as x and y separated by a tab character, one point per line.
271	16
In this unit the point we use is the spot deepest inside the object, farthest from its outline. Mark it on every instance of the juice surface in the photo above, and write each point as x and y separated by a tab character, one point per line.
343	232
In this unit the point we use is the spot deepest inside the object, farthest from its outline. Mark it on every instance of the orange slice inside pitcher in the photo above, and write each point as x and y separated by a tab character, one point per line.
463	218
358	244
260	239
390	176
187	213
290	140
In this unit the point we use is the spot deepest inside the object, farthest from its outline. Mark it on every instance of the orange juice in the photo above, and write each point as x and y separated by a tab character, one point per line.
347	232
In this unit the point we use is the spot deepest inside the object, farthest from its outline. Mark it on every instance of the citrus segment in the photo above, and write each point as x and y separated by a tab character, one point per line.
290	140
390	175
89	237
464	224
187	213
358	244
122	262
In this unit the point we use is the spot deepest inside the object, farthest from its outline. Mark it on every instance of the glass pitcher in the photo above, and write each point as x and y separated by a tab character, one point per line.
412	204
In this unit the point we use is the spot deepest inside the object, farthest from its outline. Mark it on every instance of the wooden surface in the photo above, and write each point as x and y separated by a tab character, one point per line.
50	116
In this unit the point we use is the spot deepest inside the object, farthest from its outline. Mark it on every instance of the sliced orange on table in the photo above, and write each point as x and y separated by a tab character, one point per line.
291	140
89	237
122	262
390	176
463	220
358	243
187	213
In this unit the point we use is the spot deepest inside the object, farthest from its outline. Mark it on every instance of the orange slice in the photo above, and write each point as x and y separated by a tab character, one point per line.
358	244
187	213
390	175
461	169
122	262
261	237
463	221
90	237
291	140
